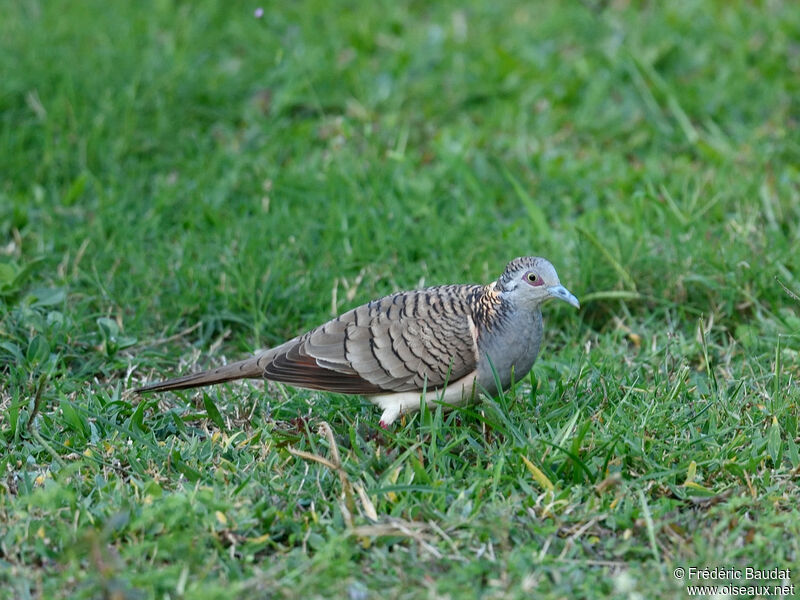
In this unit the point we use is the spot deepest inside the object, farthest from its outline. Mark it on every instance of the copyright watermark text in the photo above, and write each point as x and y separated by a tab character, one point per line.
735	581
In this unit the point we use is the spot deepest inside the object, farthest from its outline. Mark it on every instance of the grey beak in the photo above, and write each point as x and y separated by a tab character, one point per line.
562	293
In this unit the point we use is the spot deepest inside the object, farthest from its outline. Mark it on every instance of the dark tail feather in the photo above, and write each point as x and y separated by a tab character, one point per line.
244	369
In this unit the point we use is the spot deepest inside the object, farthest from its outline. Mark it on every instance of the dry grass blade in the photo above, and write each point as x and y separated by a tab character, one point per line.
397	527
313	457
349	489
366	503
792	295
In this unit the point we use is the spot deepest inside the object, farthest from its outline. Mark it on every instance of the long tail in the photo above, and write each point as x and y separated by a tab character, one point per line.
244	369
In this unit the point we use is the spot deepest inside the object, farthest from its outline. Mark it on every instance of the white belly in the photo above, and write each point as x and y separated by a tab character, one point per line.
398	403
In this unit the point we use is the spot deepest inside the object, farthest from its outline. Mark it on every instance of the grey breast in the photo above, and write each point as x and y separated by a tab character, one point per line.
509	348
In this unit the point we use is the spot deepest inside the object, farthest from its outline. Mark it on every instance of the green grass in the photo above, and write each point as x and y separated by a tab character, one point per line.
181	183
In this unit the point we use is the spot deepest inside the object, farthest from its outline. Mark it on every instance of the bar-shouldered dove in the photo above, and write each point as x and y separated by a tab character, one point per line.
445	341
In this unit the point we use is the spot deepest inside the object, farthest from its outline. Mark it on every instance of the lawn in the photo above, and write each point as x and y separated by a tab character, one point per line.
182	183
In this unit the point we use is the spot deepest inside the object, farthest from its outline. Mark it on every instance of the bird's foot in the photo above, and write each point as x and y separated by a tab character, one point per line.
390	413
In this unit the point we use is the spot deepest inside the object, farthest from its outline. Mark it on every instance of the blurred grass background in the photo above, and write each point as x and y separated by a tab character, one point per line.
181	183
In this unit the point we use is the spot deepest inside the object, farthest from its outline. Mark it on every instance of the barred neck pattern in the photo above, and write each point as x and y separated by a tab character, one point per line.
489	309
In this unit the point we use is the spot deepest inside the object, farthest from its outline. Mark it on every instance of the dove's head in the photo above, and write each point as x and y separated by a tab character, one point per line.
532	280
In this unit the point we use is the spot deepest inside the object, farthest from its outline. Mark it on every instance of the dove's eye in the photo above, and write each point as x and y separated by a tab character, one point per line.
533	278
